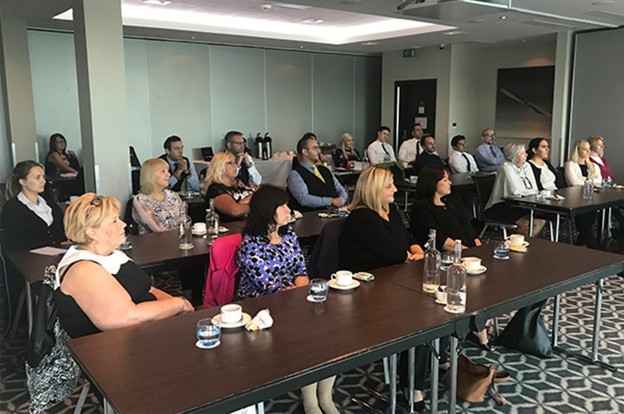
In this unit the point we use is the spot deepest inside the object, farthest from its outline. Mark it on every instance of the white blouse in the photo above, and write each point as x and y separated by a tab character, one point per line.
41	209
547	178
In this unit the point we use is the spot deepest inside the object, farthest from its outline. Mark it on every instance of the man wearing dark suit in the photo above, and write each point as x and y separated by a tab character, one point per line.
428	156
183	174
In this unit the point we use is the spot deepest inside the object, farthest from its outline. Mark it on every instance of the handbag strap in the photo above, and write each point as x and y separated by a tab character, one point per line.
496	396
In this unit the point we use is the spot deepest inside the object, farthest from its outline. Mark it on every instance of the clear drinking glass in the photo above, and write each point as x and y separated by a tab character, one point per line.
318	290
186	233
208	334
501	250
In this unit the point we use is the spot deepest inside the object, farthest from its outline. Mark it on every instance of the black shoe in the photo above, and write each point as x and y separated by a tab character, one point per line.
419	406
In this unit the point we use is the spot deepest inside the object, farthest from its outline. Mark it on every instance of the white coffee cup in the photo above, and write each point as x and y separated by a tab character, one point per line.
231	313
199	227
472	264
516	240
441	293
342	277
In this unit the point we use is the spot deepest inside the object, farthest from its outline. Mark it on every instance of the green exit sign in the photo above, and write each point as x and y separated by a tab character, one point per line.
409	52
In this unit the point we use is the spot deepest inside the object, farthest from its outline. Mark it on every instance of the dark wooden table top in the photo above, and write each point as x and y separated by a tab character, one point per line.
155	367
574	202
546	269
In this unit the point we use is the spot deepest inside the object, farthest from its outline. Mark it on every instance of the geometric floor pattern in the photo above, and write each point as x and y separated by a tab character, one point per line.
562	384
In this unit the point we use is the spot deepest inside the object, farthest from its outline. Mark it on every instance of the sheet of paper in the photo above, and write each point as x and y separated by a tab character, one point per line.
49	251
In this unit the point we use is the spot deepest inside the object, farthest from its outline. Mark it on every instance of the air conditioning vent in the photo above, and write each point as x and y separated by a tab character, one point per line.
606	16
548	24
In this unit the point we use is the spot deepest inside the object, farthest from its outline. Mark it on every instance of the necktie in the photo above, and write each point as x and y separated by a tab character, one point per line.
467	161
317	173
493	151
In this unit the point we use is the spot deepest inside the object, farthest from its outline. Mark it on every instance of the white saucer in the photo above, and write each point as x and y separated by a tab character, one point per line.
199	233
223	229
439	302
354	283
524	244
198	344
310	299
501	258
478	271
446	308
244	321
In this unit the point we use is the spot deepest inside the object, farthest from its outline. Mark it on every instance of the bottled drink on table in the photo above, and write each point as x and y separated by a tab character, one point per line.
212	220
588	186
431	276
456	283
185	225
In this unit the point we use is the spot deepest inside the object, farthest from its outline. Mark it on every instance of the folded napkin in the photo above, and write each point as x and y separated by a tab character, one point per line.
262	320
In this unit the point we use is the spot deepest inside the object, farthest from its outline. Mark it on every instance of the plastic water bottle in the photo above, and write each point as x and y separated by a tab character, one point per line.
431	276
456	283
588	186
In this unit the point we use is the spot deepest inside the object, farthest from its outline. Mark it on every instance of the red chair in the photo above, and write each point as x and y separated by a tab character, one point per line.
222	270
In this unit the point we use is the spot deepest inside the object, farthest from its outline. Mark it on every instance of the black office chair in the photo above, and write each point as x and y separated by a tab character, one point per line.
483	186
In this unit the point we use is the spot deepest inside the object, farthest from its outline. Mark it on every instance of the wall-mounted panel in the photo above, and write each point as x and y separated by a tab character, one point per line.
179	84
289	97
237	87
367	98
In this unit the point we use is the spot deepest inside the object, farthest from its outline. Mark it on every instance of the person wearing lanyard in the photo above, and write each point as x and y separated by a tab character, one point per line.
379	151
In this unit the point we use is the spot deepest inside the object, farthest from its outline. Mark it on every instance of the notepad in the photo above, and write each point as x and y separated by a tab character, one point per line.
49	251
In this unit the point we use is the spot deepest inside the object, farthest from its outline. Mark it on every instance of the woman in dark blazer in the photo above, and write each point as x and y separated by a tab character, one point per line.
28	220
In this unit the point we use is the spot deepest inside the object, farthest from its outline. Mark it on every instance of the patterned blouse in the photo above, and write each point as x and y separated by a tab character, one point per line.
267	268
155	216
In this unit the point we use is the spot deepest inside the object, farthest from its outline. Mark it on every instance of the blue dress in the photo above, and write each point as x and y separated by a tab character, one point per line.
267	268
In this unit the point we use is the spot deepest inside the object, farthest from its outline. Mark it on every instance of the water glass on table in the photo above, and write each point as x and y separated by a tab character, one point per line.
318	290
501	250
208	334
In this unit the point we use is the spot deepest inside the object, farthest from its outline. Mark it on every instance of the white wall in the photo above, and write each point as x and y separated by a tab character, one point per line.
202	91
467	76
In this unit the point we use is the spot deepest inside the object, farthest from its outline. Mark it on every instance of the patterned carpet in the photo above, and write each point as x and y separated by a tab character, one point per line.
561	384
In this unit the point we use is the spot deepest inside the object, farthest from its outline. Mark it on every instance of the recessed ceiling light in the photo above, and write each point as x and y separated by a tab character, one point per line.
503	17
156	2
312	21
370	43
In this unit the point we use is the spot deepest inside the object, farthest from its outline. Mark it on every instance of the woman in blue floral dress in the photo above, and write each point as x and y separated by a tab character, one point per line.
270	260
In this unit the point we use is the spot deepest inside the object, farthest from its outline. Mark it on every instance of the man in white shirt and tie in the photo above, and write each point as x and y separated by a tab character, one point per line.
410	148
461	161
379	150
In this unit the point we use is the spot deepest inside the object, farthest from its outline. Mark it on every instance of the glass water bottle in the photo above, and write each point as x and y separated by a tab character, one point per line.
456	283
431	276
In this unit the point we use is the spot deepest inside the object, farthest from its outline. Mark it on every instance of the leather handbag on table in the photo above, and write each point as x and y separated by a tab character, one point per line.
474	381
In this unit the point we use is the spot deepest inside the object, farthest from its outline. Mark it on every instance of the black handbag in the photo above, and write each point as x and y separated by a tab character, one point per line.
42	337
526	332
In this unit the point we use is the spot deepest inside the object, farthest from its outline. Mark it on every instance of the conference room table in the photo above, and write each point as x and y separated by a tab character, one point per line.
155	367
154	252
572	205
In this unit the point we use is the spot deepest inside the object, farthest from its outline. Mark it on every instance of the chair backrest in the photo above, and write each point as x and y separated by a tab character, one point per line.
483	186
222	271
134	160
131	226
325	257
560	180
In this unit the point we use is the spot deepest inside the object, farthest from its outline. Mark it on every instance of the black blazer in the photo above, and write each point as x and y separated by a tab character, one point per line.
23	229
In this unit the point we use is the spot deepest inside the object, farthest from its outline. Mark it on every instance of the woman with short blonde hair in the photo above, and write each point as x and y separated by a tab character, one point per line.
346	154
231	196
374	235
98	287
156	208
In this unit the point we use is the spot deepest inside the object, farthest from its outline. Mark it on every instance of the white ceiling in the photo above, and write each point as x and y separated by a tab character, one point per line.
348	26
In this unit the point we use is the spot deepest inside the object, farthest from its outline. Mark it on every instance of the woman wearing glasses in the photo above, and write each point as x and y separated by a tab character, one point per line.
156	208
513	178
98	287
231	196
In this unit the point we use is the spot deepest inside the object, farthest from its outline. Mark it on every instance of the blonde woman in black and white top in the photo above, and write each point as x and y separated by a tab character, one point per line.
579	166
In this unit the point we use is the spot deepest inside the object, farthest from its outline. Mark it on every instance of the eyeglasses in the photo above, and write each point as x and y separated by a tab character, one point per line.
238	143
231	162
492	135
527	182
96	202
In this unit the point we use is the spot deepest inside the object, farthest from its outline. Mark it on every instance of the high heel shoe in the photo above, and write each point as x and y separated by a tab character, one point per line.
419	406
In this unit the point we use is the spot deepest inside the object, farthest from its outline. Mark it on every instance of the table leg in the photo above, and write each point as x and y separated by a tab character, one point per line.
531	216
595	334
108	409
453	391
29	307
557	228
435	373
393	382
411	359
555	326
